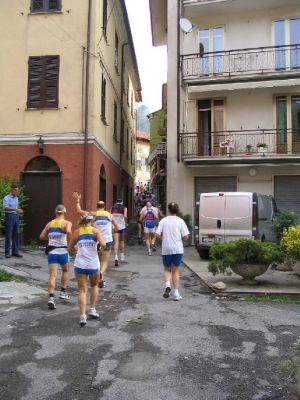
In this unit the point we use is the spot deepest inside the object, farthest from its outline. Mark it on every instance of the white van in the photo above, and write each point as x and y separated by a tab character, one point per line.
225	216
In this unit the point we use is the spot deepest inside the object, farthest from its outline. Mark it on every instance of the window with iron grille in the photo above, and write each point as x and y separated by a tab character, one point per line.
115	120
43	74
104	17
45	5
103	96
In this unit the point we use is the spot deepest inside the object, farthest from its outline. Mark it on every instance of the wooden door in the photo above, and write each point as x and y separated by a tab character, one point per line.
44	190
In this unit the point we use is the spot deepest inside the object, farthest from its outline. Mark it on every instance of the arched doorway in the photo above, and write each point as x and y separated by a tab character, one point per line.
102	184
42	179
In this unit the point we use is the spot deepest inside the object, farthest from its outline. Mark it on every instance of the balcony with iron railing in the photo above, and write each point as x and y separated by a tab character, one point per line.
282	144
159	150
203	8
258	62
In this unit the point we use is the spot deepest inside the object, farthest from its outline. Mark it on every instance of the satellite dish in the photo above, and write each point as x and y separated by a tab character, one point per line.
186	25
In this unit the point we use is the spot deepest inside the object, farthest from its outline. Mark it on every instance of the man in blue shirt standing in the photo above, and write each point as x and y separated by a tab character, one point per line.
11	221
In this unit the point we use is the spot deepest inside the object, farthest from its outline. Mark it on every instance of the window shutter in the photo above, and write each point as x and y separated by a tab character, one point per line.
52	68
43	82
38	5
34	84
54	5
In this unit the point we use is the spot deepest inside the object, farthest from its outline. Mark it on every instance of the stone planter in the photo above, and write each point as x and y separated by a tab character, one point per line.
248	272
296	268
262	150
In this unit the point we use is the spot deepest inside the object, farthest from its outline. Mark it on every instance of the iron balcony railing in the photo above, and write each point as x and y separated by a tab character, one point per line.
242	61
159	149
243	143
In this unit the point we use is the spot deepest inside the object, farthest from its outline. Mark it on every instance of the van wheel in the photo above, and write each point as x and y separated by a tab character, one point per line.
204	254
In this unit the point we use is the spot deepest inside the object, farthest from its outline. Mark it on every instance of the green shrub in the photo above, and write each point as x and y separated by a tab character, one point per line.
283	221
187	219
243	251
290	242
5	186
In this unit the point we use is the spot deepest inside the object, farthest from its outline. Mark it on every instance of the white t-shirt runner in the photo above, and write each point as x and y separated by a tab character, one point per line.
172	229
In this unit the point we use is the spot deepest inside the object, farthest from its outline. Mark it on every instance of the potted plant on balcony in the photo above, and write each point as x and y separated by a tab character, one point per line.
248	149
262	147
246	257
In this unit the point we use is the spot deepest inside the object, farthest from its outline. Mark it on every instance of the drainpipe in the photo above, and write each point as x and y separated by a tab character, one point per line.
178	82
86	121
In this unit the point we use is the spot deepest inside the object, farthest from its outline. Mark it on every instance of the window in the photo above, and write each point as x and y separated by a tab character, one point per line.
138	165
116	50
128	91
115	119
128	145
288	124
43	73
287	33
103	97
122	134
45	5
104	18
123	75
211	40
131	105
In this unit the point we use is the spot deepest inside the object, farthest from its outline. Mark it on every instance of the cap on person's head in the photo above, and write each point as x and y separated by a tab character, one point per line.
86	216
60	209
100	204
119	201
14	186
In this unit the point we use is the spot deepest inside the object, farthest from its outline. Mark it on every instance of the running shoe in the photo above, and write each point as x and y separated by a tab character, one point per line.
116	263
51	304
101	284
149	253
140	240
82	320
167	292
153	247
177	297
122	257
64	296
93	313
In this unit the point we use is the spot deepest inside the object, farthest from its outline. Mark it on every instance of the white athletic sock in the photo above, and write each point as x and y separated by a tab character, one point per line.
116	257
168	284
176	292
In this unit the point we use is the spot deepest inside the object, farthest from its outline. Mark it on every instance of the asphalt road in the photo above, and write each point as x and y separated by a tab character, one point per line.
145	347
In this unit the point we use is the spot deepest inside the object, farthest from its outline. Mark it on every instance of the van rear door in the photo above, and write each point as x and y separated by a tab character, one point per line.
238	216
211	219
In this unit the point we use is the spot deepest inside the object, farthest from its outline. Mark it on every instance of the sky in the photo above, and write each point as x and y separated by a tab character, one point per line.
152	61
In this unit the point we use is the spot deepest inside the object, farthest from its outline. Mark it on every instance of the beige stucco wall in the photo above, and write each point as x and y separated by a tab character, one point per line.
245	108
65	34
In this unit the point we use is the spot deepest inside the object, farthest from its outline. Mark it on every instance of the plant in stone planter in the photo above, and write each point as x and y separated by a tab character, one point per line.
188	220
290	243
261	144
283	221
248	148
246	257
